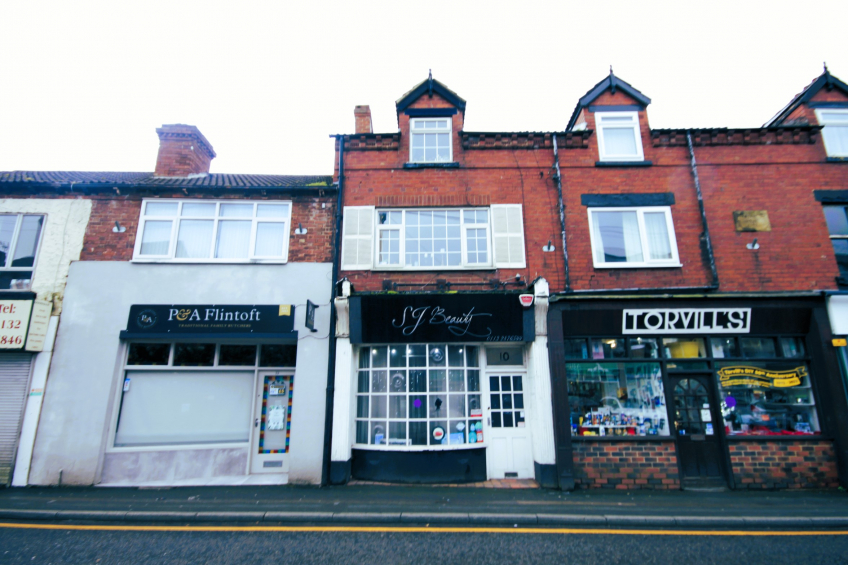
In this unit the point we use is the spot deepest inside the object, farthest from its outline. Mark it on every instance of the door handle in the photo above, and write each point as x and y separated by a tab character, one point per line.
256	423
489	421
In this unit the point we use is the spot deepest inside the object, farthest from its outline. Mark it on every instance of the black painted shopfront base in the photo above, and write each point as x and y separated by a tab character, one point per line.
339	472
454	466
546	475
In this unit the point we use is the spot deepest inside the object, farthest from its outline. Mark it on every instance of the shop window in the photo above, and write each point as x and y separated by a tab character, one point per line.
430	140
194	354
723	347
837	226
767	398
232	355
835	132
633	237
418	395
644	348
617	399
20	236
608	349
149	353
792	347
428	239
197	230
576	349
758	347
619	138
278	355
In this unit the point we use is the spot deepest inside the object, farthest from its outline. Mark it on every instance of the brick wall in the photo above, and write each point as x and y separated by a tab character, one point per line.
102	244
625	465
783	464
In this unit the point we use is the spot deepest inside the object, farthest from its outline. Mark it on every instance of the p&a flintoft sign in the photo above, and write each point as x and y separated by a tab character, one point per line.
146	319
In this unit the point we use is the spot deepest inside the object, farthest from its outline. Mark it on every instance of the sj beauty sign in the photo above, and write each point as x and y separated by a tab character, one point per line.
687	321
147	319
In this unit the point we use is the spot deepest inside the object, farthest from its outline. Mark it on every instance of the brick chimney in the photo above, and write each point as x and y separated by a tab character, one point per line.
363	119
183	151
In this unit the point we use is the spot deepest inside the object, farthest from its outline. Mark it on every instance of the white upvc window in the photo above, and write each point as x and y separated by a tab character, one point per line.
213	231
835	132
433	239
619	138
633	237
430	140
20	236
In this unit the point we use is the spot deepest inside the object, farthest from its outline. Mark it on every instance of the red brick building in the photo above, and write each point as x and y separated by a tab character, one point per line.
682	277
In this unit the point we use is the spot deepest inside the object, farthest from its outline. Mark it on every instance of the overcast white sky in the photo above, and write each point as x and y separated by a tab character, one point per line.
84	84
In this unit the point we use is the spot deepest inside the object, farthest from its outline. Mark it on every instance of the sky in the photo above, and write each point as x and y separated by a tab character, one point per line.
85	84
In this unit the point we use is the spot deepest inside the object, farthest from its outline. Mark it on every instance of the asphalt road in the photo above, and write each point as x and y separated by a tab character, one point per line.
64	546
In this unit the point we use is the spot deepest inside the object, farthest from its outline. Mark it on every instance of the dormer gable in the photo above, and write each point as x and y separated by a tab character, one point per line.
826	91
613	93
430	98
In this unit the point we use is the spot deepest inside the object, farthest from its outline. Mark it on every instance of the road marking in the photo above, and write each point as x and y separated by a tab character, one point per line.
418	529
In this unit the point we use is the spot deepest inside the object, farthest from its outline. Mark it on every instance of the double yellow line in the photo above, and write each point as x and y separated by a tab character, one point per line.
421	529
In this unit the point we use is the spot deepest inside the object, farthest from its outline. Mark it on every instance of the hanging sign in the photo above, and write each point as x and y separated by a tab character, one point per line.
150	319
433	318
687	321
759	377
310	316
38	322
14	322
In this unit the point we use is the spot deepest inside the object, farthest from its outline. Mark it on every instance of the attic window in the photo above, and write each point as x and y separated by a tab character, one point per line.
835	132
619	138
430	140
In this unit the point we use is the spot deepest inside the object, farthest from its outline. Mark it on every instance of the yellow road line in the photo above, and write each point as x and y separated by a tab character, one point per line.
418	529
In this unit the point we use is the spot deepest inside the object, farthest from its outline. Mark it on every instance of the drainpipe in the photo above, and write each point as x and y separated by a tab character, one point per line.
331	358
708	245
561	214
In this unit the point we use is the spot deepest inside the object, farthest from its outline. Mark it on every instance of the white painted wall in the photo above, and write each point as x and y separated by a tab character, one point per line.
84	375
61	241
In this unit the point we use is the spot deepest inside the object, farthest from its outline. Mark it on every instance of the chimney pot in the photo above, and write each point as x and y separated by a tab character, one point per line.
183	151
363	119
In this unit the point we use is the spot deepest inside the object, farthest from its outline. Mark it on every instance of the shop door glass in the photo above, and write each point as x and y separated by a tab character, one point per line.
509	454
698	441
272	424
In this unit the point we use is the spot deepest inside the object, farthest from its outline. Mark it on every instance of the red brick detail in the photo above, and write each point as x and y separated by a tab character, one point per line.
724	136
434	200
362	114
102	244
183	151
625	465
525	140
784	464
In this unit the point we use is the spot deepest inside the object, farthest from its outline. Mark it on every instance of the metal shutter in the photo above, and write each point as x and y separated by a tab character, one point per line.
14	378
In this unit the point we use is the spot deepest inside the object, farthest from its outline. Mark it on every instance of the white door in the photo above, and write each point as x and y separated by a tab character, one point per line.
272	423
509	454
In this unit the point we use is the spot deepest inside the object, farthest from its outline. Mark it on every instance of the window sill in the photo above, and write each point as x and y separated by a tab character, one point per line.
623	163
452	165
837	159
639	266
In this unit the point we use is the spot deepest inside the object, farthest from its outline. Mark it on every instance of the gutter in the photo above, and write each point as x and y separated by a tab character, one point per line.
331	357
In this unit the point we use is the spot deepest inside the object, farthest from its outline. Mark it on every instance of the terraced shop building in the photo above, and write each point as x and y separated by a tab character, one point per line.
184	354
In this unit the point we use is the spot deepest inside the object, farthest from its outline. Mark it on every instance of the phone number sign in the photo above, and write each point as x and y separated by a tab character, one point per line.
14	322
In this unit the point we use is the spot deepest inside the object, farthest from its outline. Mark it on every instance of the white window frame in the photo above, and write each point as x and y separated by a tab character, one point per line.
13	246
447	130
632	125
175	223
843	124
643	239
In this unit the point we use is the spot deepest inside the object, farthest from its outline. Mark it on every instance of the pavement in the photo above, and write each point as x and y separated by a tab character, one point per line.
429	505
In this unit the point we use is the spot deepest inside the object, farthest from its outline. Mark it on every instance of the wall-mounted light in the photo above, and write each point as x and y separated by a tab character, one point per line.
300	230
753	244
119	228
549	247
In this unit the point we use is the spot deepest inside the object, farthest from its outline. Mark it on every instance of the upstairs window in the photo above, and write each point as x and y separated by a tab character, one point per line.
835	132
431	140
199	230
619	138
837	225
633	237
20	235
433	239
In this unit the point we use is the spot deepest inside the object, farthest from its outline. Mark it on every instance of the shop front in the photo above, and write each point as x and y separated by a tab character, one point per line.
677	393
441	388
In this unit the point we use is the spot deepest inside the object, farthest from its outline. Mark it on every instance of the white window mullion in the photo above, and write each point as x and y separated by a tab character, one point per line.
13	244
643	236
402	245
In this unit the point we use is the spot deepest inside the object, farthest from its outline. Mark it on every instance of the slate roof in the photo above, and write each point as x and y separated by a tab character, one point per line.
823	80
427	86
610	82
70	179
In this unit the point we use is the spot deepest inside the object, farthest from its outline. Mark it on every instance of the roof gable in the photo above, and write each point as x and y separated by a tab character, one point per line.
825	80
429	86
611	83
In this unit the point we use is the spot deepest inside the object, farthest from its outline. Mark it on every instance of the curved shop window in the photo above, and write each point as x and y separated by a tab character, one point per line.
617	399
424	395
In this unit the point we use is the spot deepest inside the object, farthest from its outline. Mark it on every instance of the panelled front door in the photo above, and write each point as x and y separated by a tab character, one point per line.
697	425
509	454
272	424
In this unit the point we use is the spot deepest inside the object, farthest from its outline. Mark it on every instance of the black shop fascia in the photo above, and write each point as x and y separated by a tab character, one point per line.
405	345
